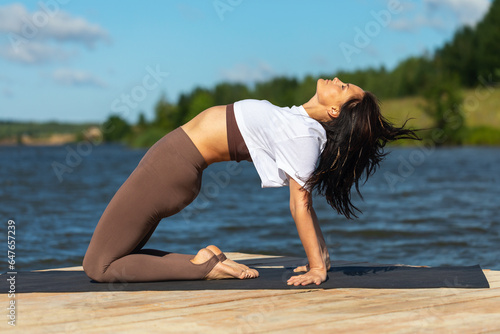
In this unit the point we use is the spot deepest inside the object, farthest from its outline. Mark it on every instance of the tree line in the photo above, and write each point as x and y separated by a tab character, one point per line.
470	59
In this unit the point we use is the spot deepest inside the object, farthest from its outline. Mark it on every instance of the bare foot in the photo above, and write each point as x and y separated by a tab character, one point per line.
254	273
221	270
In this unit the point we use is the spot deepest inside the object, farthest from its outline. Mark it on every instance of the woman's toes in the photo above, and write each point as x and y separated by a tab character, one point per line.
250	273
253	273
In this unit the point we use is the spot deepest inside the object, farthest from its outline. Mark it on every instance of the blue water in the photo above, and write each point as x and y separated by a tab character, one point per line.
422	207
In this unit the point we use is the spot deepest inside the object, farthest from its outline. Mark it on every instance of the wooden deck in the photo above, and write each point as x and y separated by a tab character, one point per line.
445	310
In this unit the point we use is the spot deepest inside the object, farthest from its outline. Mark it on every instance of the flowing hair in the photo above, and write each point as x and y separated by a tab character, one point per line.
355	142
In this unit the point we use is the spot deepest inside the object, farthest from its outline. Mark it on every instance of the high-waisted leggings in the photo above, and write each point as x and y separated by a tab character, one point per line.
165	181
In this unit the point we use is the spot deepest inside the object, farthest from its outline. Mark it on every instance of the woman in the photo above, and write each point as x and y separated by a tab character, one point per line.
341	126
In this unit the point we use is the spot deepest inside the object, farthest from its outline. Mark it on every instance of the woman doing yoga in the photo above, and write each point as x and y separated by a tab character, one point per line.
325	145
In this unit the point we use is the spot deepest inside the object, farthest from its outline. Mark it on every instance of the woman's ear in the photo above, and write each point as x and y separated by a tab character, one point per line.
333	112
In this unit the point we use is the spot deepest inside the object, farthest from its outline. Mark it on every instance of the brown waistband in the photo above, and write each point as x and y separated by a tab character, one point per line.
238	150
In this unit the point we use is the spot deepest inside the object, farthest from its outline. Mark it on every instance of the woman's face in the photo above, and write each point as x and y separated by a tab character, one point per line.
334	93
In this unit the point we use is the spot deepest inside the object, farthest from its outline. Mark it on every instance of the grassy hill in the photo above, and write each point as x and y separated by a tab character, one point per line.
481	108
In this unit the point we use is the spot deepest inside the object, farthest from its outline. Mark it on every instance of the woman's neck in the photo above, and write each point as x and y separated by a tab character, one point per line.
316	110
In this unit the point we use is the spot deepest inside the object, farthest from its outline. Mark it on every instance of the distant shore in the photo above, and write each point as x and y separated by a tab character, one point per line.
53	140
41	137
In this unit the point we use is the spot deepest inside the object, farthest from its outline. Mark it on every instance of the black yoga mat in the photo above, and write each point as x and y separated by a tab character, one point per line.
369	276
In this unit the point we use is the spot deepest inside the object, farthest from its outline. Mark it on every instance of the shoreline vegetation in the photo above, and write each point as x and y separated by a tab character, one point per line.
481	115
13	133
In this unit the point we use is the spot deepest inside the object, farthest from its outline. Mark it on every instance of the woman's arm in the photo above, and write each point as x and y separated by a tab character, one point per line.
310	236
321	240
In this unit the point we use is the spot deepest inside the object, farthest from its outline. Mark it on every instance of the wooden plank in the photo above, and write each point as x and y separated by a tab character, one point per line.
300	304
283	313
493	278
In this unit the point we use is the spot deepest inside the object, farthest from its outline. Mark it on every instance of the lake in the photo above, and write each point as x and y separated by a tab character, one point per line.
422	207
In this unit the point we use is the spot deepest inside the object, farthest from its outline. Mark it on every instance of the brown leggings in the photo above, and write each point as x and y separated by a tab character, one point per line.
166	180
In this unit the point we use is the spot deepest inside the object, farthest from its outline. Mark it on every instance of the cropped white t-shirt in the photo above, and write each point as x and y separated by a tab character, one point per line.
280	141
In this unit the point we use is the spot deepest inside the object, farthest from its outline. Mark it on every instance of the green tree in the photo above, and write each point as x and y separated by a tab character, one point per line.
410	77
305	90
280	91
459	57
226	93
115	128
166	115
443	102
141	121
488	34
198	101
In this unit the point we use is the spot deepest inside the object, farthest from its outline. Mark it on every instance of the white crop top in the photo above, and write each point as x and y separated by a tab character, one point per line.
280	140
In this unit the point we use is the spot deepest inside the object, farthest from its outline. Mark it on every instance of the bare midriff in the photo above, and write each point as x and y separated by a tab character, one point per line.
209	134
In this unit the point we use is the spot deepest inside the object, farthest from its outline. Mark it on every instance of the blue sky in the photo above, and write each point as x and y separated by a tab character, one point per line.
74	60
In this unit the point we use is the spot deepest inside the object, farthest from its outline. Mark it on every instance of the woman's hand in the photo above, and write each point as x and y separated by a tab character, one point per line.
316	276
310	235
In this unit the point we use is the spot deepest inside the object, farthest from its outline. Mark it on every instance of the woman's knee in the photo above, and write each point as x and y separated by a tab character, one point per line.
92	269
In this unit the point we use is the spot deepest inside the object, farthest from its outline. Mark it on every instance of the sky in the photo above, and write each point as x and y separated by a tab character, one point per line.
81	61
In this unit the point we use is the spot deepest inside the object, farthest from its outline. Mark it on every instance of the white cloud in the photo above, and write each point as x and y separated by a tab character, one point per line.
467	12
417	22
34	53
71	77
32	35
64	27
442	14
49	23
248	73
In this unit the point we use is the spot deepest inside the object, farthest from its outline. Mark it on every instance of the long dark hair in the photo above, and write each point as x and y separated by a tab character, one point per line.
355	142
